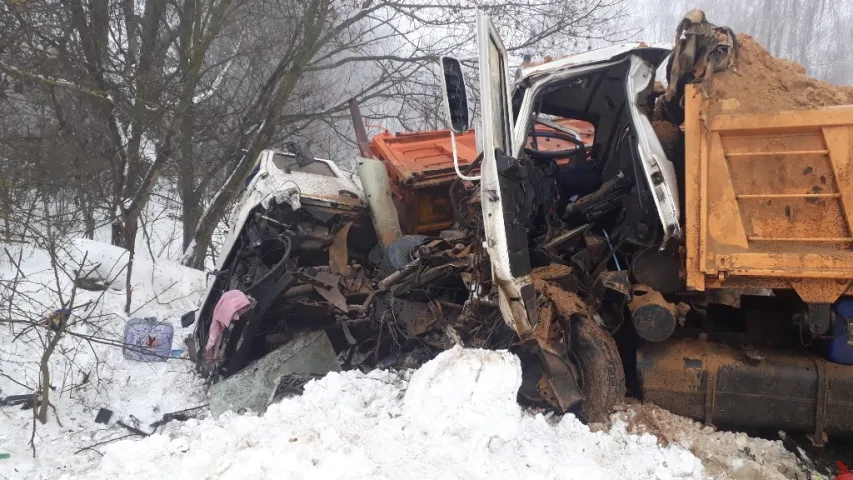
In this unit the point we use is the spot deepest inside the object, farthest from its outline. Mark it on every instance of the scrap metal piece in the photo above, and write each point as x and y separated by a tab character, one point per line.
426	277
338	255
325	284
558	385
566	236
356	281
269	292
334	297
704	49
18	399
415	317
654	318
293	384
607	297
562	386
399	275
254	387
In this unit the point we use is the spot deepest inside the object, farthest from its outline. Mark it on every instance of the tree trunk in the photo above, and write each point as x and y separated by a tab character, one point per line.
246	147
190	199
44	367
131	222
88	211
192	211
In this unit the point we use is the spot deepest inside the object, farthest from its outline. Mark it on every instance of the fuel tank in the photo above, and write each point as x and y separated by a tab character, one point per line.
732	387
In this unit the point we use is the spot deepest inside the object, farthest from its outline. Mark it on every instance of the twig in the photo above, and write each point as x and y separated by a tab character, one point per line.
55	413
13	380
135	430
154	297
179	415
92	447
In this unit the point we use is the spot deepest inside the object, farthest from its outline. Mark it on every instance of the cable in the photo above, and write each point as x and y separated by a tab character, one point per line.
456	160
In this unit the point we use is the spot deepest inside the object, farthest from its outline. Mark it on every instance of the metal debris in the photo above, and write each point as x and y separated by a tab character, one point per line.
255	387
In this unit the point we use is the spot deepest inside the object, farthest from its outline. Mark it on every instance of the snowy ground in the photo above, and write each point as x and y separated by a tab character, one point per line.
456	417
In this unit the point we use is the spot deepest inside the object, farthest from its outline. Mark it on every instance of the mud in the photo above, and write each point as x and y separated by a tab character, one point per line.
667	132
566	303
554	271
725	455
761	83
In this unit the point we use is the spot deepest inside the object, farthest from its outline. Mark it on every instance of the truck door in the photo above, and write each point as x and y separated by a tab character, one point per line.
506	236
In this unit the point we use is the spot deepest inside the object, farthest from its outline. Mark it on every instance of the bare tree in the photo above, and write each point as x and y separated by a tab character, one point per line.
330	38
190	91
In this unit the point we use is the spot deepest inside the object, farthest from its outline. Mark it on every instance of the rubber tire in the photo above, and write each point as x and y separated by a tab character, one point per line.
398	254
602	376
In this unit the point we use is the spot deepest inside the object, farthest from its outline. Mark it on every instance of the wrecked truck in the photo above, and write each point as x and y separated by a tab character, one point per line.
669	266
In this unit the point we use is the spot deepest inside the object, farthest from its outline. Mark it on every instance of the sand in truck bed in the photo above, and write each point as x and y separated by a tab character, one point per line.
761	83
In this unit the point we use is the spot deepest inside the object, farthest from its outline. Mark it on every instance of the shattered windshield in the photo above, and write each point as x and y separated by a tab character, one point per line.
290	164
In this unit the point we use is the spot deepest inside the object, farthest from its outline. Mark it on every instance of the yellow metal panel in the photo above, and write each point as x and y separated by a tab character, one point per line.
838	140
725	224
692	159
839	265
784	122
769	200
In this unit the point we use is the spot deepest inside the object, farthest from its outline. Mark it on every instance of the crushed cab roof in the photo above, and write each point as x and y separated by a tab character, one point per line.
643	49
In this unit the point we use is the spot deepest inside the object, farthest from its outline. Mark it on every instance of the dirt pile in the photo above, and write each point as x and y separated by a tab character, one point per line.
761	83
667	132
725	455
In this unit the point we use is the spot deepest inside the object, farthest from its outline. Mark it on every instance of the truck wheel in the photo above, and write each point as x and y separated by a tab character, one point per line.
399	254
596	358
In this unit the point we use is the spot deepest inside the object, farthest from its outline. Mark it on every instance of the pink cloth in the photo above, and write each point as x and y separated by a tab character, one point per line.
230	306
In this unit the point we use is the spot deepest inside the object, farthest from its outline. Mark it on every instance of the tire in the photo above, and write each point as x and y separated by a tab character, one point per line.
602	378
398	254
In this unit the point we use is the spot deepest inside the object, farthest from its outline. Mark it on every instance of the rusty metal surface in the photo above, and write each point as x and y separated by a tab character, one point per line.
770	197
420	166
733	387
338	254
654	318
358	126
421	156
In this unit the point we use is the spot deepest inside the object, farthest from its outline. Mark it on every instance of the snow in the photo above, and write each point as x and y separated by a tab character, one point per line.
455	417
724	454
145	390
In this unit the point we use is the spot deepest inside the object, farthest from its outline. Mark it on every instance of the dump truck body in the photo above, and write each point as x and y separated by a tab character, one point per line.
769	200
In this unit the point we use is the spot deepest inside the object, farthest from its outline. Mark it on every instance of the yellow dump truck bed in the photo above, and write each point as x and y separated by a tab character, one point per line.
769	200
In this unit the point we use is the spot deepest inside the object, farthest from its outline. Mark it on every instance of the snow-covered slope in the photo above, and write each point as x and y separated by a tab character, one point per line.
456	417
88	371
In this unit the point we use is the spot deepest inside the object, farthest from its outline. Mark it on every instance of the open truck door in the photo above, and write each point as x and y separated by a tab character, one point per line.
506	236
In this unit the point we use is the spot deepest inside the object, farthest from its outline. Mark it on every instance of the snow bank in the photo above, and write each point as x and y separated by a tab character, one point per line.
456	418
89	375
724	454
160	283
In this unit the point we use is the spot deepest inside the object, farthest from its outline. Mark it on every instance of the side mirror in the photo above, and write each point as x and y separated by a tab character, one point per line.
188	319
455	95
